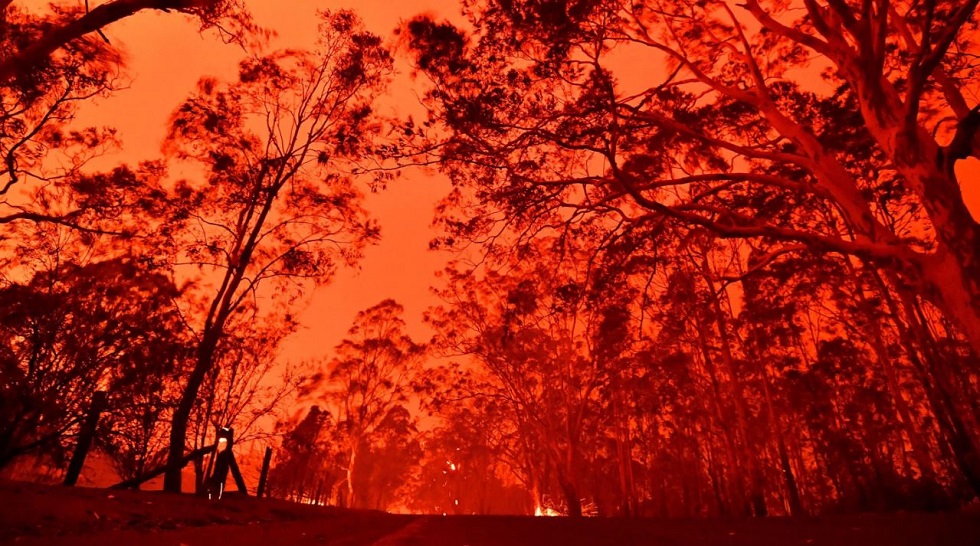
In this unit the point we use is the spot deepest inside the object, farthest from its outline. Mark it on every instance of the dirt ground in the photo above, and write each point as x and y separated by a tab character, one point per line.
50	515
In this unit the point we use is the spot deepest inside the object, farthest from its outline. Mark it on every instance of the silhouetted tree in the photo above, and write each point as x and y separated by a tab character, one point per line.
51	64
538	123
69	331
276	207
548	343
305	469
387	462
377	371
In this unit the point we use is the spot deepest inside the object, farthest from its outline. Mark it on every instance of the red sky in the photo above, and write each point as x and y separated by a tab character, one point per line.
166	58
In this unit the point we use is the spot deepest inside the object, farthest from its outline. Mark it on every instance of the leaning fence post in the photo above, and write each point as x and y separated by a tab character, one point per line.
265	471
85	437
224	461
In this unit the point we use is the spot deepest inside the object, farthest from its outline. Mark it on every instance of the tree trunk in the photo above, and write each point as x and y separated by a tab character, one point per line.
572	502
182	413
951	274
757	499
933	379
85	437
624	458
920	448
200	475
716	488
735	468
351	498
776	429
627	482
792	489
954	282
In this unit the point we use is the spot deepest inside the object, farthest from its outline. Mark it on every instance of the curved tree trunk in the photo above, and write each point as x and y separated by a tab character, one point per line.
953	277
182	413
951	274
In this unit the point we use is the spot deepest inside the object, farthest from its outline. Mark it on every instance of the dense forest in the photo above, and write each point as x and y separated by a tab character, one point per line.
704	258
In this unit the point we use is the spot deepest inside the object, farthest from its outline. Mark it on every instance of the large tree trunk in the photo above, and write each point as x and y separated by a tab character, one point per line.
182	413
953	281
951	274
933	379
962	440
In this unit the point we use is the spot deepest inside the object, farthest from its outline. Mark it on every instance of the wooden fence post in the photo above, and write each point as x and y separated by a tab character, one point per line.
224	461
265	471
85	437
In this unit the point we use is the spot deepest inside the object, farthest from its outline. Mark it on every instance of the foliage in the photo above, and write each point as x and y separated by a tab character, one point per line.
107	325
376	373
539	127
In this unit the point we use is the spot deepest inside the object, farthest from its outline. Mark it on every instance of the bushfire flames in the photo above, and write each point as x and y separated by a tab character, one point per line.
539	511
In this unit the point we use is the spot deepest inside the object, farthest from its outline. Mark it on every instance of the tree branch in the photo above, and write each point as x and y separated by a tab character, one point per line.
761	263
947	37
94	20
64	220
950	90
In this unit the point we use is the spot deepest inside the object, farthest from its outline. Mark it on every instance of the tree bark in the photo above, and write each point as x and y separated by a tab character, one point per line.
951	273
85	437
